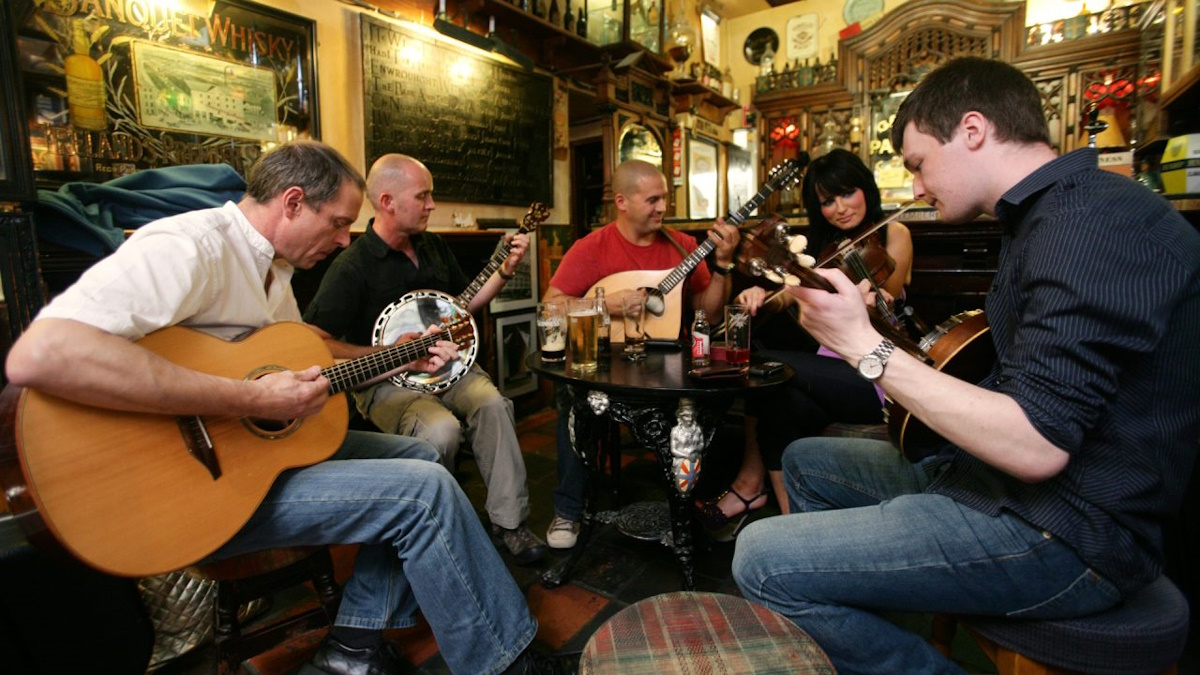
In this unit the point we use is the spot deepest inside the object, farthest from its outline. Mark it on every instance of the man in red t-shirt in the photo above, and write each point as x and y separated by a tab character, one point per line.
634	241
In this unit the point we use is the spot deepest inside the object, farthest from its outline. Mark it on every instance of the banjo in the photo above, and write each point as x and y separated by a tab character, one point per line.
416	311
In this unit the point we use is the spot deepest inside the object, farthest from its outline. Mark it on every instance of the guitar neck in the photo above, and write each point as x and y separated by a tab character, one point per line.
464	299
352	374
734	218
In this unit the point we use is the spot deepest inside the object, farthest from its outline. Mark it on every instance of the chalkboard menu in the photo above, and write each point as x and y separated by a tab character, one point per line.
482	128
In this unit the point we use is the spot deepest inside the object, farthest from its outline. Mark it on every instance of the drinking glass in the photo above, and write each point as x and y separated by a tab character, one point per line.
633	307
583	315
737	334
552	329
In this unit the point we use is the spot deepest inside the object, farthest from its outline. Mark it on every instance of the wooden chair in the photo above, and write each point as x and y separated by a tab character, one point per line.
1145	634
263	573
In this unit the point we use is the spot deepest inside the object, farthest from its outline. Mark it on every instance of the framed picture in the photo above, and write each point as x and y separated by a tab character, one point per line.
516	339
16	170
110	92
703	181
802	37
521	292
710	37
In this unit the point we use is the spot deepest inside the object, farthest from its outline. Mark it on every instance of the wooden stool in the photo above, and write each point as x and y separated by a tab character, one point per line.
1145	634
262	573
700	633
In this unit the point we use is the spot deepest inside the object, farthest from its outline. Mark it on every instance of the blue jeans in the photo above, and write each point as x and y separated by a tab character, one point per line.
864	538
571	492
422	545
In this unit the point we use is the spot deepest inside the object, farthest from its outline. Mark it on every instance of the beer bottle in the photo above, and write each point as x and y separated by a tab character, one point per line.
700	333
603	324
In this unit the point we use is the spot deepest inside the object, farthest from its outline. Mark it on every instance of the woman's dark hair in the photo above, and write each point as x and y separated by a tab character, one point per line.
837	172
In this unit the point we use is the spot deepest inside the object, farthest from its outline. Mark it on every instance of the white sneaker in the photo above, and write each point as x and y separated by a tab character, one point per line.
563	533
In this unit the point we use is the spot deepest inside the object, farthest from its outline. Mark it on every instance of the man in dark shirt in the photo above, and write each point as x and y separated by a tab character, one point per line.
1061	466
393	257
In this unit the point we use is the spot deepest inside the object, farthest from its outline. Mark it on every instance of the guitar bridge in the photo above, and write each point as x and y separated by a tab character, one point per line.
199	443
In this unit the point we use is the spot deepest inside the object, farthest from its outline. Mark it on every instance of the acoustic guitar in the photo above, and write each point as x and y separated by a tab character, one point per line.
664	295
960	346
137	494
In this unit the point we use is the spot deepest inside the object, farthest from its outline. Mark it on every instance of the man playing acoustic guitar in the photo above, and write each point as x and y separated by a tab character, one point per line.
1061	467
635	241
226	271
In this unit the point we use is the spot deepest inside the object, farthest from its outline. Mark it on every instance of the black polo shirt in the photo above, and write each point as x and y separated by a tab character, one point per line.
369	275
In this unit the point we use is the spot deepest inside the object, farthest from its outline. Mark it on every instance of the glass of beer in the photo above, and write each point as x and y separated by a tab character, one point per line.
737	334
583	315
633	307
552	329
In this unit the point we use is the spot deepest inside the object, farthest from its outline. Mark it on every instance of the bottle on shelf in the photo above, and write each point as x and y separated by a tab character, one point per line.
700	339
581	22
568	18
552	16
85	82
604	325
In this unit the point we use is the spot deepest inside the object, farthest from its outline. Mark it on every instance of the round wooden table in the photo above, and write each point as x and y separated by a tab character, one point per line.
689	632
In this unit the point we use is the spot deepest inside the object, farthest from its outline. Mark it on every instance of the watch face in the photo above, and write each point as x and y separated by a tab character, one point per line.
870	367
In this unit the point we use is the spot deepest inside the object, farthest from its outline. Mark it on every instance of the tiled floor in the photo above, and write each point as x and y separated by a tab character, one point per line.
615	571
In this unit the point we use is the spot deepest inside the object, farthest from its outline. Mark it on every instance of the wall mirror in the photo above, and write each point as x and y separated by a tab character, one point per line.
638	142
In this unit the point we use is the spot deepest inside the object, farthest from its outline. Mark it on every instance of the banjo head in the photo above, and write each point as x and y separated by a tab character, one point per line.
413	313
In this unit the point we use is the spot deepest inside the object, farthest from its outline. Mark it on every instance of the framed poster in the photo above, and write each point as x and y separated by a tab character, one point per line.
802	37
110	90
521	292
16	171
516	339
703	183
710	37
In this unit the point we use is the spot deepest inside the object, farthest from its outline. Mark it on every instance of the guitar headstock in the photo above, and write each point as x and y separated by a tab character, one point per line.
787	172
459	332
769	251
536	215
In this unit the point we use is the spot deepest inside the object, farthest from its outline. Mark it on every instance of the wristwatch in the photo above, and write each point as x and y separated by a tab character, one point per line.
871	366
723	270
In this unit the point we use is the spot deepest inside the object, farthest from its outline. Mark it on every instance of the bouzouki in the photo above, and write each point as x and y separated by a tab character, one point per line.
138	494
664	295
416	310
961	346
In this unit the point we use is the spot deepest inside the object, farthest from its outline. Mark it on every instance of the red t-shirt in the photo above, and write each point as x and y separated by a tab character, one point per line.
606	251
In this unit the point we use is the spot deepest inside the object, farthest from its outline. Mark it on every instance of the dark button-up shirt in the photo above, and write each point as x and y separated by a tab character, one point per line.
370	275
1095	312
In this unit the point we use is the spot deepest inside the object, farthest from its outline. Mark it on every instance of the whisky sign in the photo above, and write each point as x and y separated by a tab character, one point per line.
115	86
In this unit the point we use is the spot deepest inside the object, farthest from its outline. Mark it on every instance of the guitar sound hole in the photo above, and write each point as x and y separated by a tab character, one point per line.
654	302
270	429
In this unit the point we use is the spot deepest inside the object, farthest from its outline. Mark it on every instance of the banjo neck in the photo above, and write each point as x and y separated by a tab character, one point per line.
538	212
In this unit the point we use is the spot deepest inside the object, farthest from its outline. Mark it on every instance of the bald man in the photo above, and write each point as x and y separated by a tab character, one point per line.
396	256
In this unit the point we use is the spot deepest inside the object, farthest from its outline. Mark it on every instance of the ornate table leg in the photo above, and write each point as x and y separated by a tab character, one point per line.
679	432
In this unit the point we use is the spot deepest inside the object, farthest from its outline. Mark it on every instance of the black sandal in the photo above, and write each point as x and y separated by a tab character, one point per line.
713	518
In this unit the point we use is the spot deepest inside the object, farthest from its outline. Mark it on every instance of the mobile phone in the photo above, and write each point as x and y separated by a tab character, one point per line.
766	368
717	372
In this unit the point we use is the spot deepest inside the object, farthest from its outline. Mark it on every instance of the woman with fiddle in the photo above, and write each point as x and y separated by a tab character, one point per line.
842	203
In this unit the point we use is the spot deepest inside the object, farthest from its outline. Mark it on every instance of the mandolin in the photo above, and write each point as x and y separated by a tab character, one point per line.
139	494
664	295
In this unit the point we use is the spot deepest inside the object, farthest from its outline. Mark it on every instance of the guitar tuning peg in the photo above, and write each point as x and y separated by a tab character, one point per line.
797	244
781	233
774	274
804	260
757	267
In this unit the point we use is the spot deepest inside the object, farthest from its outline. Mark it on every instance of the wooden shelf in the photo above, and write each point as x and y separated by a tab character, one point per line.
690	94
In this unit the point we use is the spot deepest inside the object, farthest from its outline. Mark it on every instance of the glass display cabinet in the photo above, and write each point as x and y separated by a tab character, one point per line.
634	22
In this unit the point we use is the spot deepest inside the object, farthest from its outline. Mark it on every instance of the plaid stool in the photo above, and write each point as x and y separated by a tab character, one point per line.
689	632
